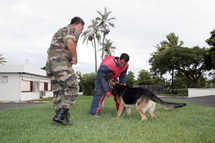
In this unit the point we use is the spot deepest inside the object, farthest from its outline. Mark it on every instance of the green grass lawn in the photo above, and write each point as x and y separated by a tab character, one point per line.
191	124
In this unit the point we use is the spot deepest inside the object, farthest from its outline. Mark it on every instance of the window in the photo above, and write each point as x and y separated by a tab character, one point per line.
47	86
27	86
42	85
30	86
36	86
4	79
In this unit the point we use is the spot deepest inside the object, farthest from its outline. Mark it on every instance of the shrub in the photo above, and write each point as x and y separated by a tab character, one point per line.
182	91
88	84
130	79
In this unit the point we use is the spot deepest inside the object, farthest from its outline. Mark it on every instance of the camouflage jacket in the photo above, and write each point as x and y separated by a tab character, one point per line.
67	32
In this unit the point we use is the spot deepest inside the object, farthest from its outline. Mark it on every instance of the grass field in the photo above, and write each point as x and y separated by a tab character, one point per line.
191	124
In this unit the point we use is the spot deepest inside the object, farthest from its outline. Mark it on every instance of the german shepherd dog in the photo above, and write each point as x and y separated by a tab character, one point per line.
142	98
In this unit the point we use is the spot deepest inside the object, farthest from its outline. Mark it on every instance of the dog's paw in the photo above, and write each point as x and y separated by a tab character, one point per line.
154	117
144	119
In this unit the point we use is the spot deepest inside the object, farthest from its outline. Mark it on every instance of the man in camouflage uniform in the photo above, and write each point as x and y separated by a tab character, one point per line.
61	56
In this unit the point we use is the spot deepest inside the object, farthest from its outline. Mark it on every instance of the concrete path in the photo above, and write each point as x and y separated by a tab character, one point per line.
15	105
208	101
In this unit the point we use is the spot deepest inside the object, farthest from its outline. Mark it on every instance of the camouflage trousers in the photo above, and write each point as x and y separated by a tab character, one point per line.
63	80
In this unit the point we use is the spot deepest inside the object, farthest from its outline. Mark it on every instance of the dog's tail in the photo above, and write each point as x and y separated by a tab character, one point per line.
167	105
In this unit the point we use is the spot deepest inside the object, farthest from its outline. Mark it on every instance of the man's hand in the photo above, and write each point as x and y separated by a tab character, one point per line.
74	60
108	94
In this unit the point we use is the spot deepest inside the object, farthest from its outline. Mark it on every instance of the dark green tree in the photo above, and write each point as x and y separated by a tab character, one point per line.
189	61
172	41
157	66
79	76
144	78
130	79
209	57
181	81
88	84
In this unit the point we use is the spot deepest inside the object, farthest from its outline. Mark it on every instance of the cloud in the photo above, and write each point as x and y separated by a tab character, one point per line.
26	28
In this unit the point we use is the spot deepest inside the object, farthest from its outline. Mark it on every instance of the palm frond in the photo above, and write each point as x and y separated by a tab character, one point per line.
2	59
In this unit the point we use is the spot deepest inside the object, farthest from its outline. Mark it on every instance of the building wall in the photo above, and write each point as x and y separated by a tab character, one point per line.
29	96
10	88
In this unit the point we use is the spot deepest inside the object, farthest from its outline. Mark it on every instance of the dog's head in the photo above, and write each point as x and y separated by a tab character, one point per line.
112	83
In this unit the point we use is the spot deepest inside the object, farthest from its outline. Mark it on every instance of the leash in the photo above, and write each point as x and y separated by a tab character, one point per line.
124	91
62	47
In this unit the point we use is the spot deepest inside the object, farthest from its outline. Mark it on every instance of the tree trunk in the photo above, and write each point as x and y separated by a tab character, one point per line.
160	84
194	84
172	81
193	79
95	56
103	48
103	41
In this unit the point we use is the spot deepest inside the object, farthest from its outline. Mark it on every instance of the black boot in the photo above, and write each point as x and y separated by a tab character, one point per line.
61	117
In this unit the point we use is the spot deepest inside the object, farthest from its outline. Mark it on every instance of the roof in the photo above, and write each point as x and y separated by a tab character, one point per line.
22	69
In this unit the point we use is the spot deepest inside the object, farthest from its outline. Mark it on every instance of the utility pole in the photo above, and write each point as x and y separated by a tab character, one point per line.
27	62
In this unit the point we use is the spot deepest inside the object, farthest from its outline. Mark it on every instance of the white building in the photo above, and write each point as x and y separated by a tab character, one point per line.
21	83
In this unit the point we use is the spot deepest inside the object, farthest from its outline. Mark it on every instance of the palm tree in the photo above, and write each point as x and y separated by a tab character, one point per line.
2	59
108	48
91	35
161	48
105	22
173	41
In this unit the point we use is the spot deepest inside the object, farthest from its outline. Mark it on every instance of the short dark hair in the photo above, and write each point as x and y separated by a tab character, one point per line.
77	20
125	57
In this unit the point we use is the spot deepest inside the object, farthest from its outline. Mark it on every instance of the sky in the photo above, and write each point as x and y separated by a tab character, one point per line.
26	28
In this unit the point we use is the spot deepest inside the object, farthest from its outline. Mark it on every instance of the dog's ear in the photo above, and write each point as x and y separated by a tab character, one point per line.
107	78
